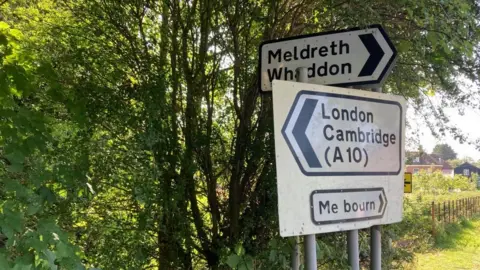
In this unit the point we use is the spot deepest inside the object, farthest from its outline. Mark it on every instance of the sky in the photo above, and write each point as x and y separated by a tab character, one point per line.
468	124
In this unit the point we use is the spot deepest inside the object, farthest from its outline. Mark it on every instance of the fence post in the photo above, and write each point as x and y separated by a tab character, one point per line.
453	211
466	208
444	213
469	211
439	216
449	215
433	218
469	208
460	204
472	203
456	207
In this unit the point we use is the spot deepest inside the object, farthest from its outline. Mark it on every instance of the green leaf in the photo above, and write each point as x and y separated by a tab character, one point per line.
239	250
4	25
16	33
248	260
21	266
320	251
50	257
272	256
24	262
404	46
432	38
15	168
33	208
4	262
63	251
233	260
47	194
7	231
14	219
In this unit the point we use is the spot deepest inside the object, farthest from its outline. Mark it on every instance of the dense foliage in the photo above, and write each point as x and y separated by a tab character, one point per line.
133	135
445	151
437	183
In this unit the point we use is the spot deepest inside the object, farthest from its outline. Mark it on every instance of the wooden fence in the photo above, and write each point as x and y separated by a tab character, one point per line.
452	211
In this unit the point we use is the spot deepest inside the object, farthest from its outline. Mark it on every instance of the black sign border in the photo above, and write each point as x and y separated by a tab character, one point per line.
312	215
310	92
371	82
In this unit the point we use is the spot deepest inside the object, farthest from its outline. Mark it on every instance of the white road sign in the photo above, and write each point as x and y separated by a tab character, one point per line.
339	157
334	134
341	58
346	205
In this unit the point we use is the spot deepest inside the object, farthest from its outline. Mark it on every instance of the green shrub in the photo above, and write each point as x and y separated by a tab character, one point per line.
437	183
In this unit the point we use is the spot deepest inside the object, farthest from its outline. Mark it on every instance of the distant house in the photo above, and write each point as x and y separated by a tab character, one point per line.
417	162
467	169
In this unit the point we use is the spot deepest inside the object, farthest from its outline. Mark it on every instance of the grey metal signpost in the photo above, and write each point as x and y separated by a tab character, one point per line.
296	254
376	237
310	245
353	254
375	248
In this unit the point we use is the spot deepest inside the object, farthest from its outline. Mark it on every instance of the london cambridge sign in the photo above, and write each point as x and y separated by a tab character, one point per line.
339	157
340	58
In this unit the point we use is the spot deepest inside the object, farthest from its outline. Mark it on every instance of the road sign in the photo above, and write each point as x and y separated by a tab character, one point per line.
341	58
346	205
337	146
335	134
407	183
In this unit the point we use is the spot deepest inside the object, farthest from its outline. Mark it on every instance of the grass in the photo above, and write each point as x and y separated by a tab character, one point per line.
457	247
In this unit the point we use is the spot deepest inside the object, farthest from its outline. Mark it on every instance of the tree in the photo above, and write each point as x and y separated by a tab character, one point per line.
445	151
160	151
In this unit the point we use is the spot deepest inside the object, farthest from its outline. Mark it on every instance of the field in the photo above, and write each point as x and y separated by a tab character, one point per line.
454	245
458	248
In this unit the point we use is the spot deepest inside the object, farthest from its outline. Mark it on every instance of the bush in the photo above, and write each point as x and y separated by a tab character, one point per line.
438	183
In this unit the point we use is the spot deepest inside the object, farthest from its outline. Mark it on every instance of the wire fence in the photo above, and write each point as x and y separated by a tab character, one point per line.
453	210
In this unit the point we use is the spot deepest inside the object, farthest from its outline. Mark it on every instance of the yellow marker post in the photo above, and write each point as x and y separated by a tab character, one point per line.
407	183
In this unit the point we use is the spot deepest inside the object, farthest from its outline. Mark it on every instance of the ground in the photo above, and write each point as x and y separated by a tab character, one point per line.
458	249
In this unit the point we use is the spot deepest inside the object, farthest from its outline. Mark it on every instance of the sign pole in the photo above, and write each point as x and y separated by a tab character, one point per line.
375	248
376	237
352	245
353	254
310	245
296	254
310	252
301	77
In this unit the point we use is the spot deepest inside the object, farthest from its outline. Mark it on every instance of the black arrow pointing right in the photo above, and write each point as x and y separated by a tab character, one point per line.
301	137
376	54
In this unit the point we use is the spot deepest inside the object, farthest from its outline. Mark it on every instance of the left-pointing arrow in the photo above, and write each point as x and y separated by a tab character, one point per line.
376	54
299	132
